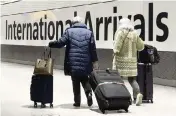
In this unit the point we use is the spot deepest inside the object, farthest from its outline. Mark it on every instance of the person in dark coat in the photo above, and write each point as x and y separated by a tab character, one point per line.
80	57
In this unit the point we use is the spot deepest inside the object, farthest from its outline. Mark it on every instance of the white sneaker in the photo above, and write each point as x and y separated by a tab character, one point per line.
139	99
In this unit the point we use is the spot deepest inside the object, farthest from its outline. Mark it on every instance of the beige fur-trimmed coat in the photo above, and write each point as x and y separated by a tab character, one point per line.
125	52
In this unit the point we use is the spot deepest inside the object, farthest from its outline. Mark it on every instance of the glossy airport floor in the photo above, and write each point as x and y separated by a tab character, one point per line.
15	97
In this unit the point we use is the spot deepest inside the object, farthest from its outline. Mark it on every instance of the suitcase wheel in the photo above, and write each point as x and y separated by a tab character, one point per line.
35	104
151	100
126	110
130	102
43	105
51	105
103	111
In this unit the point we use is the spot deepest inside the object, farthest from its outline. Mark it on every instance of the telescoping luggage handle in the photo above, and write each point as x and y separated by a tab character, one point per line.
44	53
107	70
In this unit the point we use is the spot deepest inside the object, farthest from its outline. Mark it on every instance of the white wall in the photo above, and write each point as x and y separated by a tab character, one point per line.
124	8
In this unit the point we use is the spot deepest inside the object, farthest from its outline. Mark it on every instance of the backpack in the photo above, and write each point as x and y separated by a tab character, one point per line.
149	55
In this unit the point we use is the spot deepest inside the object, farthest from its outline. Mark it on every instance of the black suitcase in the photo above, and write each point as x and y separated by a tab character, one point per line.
110	92
145	81
41	90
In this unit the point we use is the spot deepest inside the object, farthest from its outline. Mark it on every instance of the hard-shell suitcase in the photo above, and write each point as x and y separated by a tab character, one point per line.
110	92
145	81
41	90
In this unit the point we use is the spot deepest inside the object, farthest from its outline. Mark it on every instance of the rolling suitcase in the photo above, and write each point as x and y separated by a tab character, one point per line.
41	90
110	92
145	81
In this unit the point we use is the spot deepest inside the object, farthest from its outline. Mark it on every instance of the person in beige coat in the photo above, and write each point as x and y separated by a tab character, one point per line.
126	44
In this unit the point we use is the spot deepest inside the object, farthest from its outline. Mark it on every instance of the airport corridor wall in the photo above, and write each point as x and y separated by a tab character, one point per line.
164	72
25	49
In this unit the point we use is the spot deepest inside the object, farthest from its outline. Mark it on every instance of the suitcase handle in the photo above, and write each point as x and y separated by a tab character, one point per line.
49	54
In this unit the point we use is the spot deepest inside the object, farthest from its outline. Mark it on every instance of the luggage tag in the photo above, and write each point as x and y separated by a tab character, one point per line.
150	51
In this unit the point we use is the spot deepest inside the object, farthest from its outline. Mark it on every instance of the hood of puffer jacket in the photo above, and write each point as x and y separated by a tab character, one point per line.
79	25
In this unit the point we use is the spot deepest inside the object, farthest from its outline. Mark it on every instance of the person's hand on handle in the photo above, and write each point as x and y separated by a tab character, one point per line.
50	44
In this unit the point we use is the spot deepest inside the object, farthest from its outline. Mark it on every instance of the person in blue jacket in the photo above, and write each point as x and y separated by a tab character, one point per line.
80	57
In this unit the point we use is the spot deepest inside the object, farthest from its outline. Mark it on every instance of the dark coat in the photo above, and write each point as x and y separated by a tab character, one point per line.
80	49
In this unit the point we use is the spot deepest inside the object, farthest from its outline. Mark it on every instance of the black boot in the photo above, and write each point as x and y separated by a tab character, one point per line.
89	99
76	104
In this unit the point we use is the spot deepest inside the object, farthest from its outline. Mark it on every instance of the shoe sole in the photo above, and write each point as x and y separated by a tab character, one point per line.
78	105
139	100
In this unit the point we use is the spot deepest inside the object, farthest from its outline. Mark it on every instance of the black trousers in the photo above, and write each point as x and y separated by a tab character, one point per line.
76	80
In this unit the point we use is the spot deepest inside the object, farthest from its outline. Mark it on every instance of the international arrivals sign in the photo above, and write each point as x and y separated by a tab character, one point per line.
154	21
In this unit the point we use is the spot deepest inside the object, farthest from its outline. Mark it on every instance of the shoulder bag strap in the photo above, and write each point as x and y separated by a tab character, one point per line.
123	40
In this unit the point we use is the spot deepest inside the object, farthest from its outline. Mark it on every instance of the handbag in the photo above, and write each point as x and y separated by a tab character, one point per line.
44	65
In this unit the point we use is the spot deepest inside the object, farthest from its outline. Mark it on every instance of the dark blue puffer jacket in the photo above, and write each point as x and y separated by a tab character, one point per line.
80	49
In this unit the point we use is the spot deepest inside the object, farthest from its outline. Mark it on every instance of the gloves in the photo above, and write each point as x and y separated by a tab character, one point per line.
51	43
